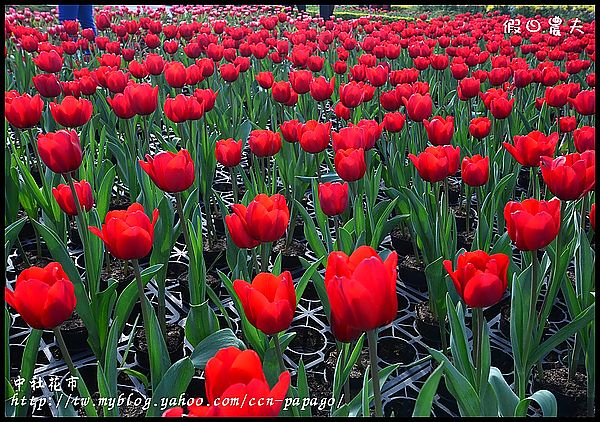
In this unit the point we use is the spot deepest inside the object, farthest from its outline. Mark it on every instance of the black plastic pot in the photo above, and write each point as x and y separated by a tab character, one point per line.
143	358
75	334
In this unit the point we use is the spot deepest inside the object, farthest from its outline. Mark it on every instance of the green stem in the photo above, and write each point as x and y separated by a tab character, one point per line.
81	387
372	339
255	261
264	257
279	353
478	341
234	185
144	304
336	223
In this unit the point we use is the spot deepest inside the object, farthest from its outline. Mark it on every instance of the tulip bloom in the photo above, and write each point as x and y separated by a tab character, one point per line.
314	136
60	151
267	217
333	198
584	138
265	79
22	111
532	224
362	291
351	94
418	107
235	376
264	143
72	112
127	234
436	163
320	89
229	72
281	91
350	164
440	130
175	74
228	152
44	297
64	197
571	176
47	85
475	170
289	130
567	124
480	127
169	171
393	122
480	279
468	88
142	97
301	80
528	149
585	102
238	228
121	106
269	301
557	96
49	61
501	107
182	108
342	111
370	134
349	137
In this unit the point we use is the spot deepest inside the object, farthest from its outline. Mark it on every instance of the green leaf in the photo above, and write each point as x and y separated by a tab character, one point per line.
174	383
28	362
458	342
544	398
507	399
208	347
310	231
425	397
200	323
303	390
302	283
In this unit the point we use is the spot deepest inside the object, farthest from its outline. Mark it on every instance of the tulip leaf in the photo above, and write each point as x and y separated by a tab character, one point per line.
28	362
355	405
200	323
174	383
458	341
103	193
507	399
365	399
319	284
303	390
425	397
310	231
11	233
544	398
303	282
208	347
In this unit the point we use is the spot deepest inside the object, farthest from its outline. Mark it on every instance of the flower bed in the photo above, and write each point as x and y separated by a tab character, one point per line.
246	211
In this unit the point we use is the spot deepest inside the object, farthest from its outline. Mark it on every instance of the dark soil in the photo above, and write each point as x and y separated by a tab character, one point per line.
295	248
395	350
358	369
218	245
570	395
34	260
73	323
117	271
307	340
175	334
423	312
412	263
319	387
119	203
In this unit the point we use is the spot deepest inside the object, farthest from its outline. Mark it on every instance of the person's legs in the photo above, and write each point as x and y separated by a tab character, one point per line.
86	16
67	12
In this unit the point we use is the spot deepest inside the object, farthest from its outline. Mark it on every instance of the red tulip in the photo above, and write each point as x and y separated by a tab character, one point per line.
532	224
265	79
281	91
440	130
436	163
60	151
267	217
418	107
44	297
88	85
301	80
72	112
571	176
138	70
350	164
206	97
585	138
468	88
377	75
585	102
264	143
121	106
349	137
480	279
567	124
269	301
289	130
480	127
238	228
142	97
116	81
529	148
182	108
233	376
320	89
175	74
314	136
475	170
228	152
229	72
169	171
501	107
342	111
557	96
333	197
127	234
351	94
71	88
49	61
393	122
47	85
154	63
22	111
361	290
64	197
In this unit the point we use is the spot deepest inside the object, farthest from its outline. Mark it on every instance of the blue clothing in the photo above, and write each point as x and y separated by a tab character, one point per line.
84	13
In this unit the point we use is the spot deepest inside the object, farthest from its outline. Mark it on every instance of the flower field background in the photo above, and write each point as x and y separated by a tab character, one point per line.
250	211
